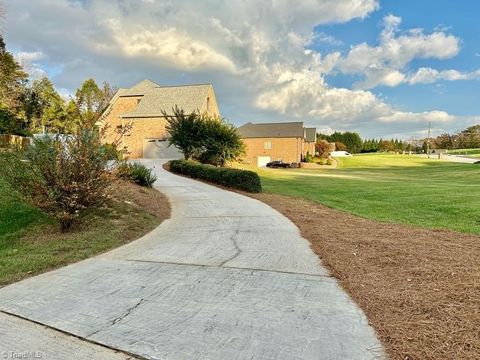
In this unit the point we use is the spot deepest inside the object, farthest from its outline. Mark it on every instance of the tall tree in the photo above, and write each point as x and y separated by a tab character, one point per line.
12	79
92	100
12	85
45	109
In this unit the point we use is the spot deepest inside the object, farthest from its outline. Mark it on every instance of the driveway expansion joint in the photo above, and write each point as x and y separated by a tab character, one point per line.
224	278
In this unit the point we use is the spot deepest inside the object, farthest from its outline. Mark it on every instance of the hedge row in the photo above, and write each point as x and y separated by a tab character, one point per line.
233	178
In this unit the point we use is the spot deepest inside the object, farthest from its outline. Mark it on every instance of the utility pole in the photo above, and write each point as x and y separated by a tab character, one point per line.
428	139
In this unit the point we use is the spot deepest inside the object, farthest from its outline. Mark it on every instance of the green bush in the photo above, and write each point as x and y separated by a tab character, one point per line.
233	178
308	158
65	178
137	173
110	151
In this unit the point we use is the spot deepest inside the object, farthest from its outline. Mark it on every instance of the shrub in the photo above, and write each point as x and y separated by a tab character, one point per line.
111	152
137	173
308	158
233	178
64	177
323	148
329	161
319	160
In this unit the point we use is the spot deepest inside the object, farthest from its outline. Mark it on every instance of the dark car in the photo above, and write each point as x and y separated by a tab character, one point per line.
278	164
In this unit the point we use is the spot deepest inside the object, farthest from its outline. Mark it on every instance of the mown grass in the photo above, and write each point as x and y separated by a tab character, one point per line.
391	188
468	152
30	241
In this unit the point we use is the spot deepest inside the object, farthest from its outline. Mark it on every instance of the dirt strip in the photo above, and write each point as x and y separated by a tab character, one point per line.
420	288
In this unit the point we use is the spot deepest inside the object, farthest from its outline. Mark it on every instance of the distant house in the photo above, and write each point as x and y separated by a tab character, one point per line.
287	141
142	106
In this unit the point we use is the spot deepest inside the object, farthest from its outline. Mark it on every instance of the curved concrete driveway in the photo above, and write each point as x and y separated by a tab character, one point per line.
227	277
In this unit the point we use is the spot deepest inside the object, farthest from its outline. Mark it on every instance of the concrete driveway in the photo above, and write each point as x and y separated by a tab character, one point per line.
227	277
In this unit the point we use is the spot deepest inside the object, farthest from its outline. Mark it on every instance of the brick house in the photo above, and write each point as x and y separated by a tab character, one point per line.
287	141
141	106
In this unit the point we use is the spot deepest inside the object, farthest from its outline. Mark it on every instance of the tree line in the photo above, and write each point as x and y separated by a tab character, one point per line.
465	139
353	143
30	106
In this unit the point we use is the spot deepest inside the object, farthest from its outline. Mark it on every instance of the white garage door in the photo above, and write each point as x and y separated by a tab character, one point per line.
159	149
263	161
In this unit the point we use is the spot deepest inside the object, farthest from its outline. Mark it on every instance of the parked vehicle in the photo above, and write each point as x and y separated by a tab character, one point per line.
340	154
278	164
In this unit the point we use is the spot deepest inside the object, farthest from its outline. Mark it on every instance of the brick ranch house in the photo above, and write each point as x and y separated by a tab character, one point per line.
288	141
142	106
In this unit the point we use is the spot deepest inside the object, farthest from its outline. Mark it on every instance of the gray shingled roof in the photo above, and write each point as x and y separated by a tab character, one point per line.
139	89
310	134
272	130
190	98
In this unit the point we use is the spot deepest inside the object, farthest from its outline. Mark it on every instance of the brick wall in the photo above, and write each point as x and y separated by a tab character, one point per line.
143	128
121	106
286	149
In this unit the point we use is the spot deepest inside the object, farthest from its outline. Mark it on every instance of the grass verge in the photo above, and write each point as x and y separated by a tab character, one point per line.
31	243
419	287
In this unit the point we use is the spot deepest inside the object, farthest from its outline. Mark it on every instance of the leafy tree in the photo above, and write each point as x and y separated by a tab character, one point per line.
444	141
469	138
351	140
386	145
12	79
45	109
339	146
12	84
185	131
92	100
210	140
221	142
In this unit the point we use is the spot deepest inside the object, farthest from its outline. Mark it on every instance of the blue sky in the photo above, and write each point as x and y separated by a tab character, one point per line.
459	18
380	67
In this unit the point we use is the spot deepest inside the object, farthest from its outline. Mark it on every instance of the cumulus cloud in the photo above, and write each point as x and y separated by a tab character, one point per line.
385	64
426	75
170	45
256	53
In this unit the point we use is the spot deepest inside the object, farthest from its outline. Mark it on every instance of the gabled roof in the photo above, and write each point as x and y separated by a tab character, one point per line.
190	98
272	130
140	89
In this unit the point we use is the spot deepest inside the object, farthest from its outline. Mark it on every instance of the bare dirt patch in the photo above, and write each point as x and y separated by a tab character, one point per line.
420	288
150	200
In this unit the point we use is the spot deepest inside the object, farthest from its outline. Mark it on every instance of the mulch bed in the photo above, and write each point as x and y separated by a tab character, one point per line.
420	288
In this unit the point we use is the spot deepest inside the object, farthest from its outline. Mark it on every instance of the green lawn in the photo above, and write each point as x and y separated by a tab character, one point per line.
468	152
30	241
392	188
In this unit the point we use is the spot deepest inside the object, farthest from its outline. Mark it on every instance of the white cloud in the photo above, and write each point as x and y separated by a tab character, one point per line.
176	48
426	75
255	53
29	61
321	37
384	64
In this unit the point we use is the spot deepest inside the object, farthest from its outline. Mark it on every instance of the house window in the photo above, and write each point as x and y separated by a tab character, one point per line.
267	145
208	104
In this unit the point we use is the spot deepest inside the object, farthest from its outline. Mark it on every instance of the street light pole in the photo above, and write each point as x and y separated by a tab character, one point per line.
428	139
